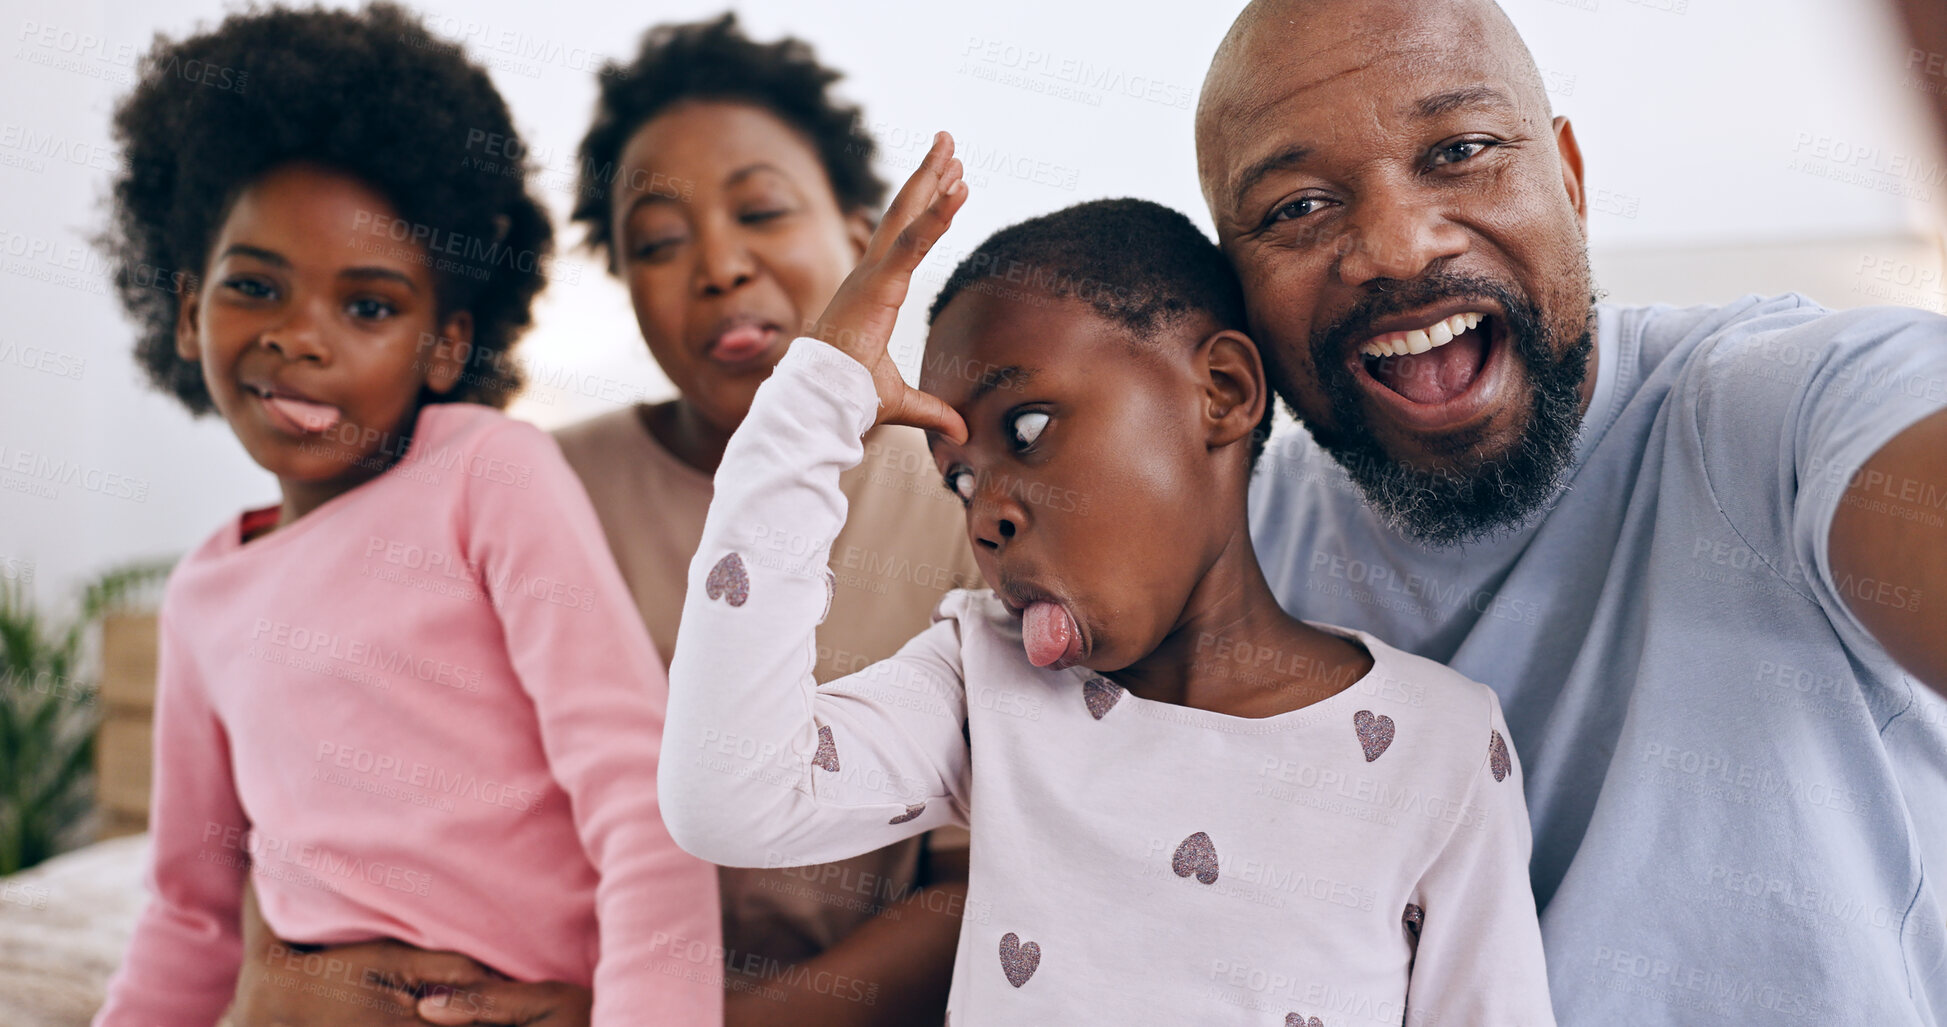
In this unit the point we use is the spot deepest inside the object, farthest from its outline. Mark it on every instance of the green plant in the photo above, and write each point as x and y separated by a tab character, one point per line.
48	715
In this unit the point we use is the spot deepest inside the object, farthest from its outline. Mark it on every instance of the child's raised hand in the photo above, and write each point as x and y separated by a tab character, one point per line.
859	319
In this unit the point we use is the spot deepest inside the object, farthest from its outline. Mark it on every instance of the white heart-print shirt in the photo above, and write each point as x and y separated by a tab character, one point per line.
1360	861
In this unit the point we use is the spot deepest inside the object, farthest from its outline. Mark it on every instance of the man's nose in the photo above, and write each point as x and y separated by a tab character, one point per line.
1399	236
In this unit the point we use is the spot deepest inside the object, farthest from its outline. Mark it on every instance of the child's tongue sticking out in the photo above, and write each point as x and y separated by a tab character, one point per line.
312	417
1048	633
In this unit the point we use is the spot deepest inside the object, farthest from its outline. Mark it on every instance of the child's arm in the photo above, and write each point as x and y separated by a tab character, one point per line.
181	964
763	767
1479	958
587	663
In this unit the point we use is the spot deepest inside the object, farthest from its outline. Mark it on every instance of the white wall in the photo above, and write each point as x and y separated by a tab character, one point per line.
1722	123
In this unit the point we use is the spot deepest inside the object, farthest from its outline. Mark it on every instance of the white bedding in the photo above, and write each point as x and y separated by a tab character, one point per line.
63	926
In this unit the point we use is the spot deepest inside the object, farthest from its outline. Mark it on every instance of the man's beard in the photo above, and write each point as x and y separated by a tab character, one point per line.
1442	507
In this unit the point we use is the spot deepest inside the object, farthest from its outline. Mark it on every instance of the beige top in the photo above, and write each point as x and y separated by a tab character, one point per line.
904	546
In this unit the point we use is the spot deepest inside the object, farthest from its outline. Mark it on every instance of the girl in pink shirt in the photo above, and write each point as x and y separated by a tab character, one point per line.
412	700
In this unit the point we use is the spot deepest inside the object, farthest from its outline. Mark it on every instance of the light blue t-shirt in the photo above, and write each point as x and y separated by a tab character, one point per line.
1739	800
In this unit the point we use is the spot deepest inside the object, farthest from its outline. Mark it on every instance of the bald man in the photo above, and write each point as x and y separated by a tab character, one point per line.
1700	553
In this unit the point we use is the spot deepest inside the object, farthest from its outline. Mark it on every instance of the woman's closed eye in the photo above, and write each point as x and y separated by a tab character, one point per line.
760	215
650	249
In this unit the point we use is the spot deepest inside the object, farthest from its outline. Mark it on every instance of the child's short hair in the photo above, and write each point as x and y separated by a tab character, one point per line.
714	60
370	94
1139	264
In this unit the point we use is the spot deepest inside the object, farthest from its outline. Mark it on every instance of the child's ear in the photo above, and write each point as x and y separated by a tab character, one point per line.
446	359
189	342
858	231
1234	386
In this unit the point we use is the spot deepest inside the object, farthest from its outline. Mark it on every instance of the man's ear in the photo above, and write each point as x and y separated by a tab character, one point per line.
189	341
858	232
446	359
1571	154
1235	392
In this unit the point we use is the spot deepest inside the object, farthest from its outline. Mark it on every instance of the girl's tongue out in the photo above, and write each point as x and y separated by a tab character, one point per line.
312	417
1049	634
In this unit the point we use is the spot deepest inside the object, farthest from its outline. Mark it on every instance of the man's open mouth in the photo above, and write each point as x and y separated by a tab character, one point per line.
1437	373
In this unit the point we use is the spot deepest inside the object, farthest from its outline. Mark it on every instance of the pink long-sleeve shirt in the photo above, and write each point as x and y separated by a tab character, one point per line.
428	711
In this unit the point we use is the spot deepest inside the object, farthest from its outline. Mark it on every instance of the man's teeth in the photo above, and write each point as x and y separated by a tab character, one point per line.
1419	340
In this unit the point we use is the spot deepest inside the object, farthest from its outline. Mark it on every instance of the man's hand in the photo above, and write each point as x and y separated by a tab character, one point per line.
393	984
860	317
545	1004
372	983
385	984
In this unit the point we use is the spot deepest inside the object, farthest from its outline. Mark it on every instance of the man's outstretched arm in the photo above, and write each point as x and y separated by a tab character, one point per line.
1889	540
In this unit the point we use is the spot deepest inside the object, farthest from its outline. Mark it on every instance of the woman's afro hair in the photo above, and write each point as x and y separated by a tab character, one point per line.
714	60
370	94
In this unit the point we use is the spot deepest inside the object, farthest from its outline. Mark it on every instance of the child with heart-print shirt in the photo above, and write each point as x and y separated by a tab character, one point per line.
1191	807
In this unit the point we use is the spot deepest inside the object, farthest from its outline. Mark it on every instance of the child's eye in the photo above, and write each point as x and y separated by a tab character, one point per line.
369	309
758	217
251	287
1027	427
960	482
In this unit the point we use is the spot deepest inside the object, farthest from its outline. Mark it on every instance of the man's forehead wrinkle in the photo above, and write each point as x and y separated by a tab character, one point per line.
1255	76
1250	55
1357	107
1477	95
1270	100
